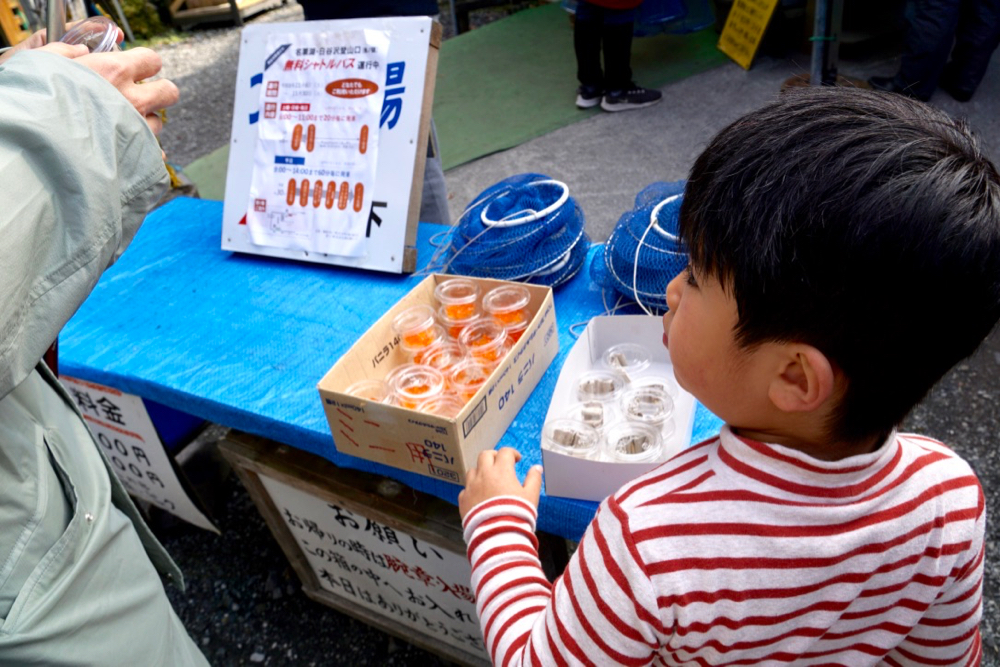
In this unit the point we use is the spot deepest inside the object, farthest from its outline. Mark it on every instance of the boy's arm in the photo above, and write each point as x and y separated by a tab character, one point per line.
948	632
600	611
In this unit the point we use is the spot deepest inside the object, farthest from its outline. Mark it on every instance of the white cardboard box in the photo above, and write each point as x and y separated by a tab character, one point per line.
428	444
573	477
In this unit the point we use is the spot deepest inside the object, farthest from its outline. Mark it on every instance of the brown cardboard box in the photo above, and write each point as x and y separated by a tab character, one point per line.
427	444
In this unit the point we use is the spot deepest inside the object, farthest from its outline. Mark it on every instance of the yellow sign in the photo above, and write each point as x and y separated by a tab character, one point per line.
745	28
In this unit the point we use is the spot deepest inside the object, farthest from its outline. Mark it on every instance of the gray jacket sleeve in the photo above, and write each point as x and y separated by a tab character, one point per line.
79	170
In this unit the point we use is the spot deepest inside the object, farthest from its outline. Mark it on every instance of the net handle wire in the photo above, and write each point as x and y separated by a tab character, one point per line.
532	215
654	223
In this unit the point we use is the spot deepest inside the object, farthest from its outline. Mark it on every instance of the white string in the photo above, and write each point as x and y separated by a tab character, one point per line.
532	215
653	222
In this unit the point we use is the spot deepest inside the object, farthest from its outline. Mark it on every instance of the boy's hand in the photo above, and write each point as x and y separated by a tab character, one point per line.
494	476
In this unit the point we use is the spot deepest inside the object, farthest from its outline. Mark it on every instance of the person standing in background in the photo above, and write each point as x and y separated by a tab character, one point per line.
966	30
606	26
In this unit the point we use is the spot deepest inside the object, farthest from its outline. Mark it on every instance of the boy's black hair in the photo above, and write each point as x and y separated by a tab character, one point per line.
864	224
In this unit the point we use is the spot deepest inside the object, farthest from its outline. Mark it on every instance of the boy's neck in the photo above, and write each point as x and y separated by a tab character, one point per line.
818	446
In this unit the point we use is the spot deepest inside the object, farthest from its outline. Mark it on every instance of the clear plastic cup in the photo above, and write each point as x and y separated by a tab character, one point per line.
467	376
627	358
485	338
603	386
459	298
417	328
413	384
441	355
648	404
572	437
515	331
633	442
509	304
667	384
455	325
446	406
98	33
593	413
371	390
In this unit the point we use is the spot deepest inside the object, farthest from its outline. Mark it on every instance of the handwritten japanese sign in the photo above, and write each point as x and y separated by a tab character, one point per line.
125	433
745	28
387	571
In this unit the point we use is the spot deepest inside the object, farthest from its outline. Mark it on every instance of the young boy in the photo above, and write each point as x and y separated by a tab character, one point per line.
844	254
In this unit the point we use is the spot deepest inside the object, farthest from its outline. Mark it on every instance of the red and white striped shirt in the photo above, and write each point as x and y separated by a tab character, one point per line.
738	552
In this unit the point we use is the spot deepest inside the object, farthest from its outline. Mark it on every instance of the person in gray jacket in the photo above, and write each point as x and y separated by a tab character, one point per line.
79	169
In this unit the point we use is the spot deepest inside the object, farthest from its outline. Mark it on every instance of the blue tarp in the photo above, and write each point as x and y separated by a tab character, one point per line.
242	340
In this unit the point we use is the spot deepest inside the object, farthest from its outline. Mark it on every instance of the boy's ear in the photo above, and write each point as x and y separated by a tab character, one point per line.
805	380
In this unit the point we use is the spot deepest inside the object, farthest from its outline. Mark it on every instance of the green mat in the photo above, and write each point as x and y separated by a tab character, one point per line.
515	79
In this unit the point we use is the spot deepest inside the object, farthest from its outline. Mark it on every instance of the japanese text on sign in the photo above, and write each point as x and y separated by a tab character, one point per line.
744	29
316	154
385	570
126	435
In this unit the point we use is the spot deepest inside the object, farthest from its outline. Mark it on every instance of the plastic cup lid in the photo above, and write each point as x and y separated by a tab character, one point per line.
98	33
506	299
415	318
456	291
570	436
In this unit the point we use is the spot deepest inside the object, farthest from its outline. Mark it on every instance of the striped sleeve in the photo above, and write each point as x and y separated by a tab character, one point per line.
601	611
948	632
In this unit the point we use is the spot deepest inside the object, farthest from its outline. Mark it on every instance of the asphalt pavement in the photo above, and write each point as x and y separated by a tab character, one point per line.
244	604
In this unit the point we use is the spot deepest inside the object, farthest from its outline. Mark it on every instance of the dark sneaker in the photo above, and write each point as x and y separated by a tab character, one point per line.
588	96
959	94
888	84
635	97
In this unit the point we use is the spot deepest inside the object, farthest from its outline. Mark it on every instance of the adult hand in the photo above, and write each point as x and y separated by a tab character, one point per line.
39	39
126	71
494	476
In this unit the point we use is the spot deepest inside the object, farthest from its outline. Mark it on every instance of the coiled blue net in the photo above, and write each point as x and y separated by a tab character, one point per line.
644	252
525	228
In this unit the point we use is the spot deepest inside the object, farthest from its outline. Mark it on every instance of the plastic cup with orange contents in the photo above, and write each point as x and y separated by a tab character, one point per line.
442	355
446	405
467	376
417	328
459	298
413	384
485	339
371	390
509	305
454	325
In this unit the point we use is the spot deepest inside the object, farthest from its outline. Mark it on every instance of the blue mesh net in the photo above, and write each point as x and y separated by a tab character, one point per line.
524	228
644	252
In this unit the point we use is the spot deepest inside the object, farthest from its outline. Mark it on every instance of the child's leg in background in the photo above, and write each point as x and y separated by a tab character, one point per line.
587	35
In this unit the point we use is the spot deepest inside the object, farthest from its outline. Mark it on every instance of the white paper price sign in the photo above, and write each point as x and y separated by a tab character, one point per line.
387	571
122	427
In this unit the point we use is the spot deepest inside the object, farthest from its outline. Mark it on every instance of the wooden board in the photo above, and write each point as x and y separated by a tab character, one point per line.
264	467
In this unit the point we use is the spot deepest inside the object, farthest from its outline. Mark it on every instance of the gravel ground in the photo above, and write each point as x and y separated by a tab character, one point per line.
244	604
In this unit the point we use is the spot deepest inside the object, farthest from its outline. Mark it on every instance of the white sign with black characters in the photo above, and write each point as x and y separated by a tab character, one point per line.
122	426
384	570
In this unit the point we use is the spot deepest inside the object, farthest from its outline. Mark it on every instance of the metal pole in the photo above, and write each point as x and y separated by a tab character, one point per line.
55	20
820	30
122	21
